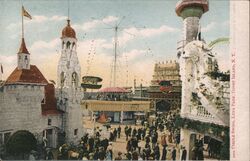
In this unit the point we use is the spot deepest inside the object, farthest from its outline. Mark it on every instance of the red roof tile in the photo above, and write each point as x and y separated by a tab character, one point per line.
23	48
113	90
32	75
50	107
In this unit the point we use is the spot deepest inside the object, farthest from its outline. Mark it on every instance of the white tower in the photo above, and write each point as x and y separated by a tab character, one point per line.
23	57
68	80
190	11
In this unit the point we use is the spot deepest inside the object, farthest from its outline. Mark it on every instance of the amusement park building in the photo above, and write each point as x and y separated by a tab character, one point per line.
115	103
169	95
29	102
205	89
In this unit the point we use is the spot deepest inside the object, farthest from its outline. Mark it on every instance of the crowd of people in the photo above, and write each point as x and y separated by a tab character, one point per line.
158	140
142	143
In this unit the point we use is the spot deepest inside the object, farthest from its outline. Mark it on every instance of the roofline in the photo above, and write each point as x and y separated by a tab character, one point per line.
23	83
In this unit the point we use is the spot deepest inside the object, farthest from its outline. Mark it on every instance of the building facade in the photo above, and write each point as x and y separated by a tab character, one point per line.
27	102
205	99
166	71
69	92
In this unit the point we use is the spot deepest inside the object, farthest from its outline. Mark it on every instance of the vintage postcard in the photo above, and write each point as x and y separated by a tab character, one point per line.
124	80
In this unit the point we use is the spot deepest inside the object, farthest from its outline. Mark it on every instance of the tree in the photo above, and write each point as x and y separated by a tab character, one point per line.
20	143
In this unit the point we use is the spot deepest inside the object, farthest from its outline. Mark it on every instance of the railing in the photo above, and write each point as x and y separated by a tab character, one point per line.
201	111
181	44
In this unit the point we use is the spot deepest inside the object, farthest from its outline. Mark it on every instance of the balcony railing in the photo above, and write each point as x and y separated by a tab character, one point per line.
181	44
201	111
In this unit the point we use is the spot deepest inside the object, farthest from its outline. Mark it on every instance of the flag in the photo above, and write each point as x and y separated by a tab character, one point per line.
1	68
25	13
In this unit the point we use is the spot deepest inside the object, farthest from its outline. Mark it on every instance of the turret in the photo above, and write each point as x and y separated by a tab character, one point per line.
190	11
23	57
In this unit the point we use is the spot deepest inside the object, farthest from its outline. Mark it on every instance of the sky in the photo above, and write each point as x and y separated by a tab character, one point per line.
148	33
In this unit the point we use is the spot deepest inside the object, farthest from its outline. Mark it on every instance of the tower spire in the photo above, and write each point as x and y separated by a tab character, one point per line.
22	22
68	10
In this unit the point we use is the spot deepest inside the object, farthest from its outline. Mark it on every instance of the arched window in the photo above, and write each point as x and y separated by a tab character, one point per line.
68	45
73	45
75	79
63	43
62	79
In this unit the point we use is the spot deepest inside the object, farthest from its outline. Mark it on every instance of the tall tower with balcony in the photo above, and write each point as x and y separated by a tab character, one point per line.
202	101
190	11
69	87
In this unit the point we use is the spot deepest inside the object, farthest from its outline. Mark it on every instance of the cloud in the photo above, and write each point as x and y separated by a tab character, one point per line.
132	33
86	26
223	57
45	55
133	54
37	19
39	46
9	63
209	27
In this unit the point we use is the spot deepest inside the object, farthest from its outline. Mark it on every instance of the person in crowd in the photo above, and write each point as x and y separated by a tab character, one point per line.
164	152
119	131
157	152
184	154
173	154
119	157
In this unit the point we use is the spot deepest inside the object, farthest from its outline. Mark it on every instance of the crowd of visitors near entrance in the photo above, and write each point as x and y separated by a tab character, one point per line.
156	141
142	143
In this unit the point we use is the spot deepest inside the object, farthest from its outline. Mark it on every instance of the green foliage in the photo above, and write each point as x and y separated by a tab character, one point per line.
219	40
201	127
21	142
222	76
225	152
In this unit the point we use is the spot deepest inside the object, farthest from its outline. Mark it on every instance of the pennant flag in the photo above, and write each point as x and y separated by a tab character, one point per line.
25	13
1	68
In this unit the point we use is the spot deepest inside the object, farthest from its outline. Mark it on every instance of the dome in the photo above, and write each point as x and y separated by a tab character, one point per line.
68	31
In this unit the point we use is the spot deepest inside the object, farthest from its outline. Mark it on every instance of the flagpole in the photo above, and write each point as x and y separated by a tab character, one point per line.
22	24
1	76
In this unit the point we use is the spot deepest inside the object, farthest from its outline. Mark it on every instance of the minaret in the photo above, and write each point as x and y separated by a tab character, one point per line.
69	70
23	57
68	81
191	12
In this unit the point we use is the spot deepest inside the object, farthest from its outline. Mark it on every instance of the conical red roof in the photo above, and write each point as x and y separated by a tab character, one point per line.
23	48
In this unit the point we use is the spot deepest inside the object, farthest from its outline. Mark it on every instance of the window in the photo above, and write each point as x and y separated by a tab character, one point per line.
68	45
6	137
26	57
49	121
62	77
75	79
63	44
75	131
1	139
43	101
49	131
